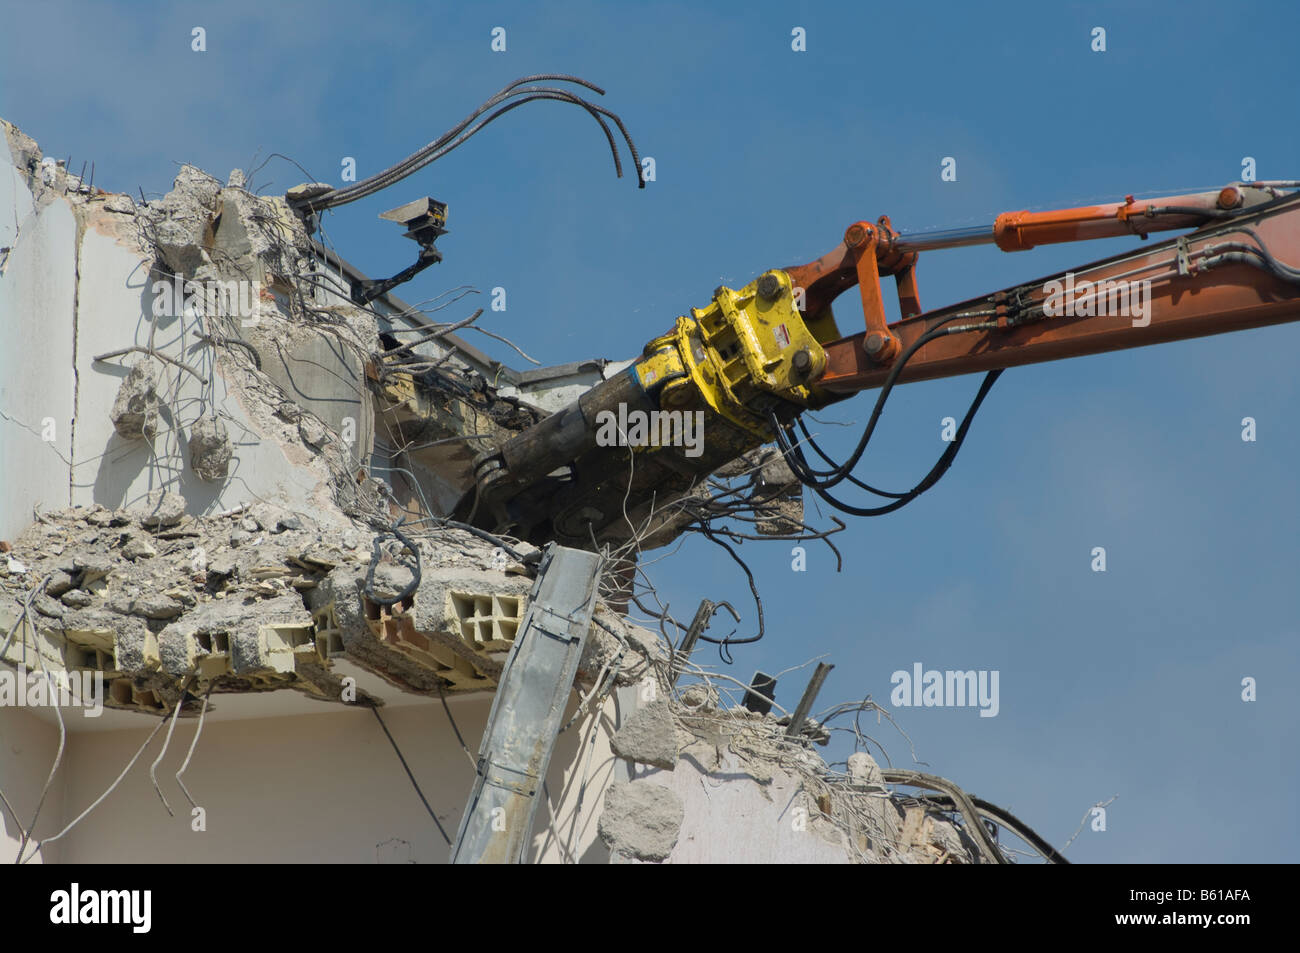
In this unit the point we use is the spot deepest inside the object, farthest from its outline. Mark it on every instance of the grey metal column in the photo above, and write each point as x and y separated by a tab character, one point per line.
530	701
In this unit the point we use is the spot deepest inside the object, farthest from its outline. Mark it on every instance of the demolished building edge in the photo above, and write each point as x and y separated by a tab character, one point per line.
77	263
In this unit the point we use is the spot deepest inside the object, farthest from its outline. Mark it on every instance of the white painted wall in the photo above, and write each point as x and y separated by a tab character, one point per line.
730	818
27	749
114	311
37	294
320	788
66	295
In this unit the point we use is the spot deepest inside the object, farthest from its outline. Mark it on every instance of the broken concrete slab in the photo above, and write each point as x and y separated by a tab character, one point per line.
59	583
649	736
135	411
180	226
138	547
314	433
210	449
155	607
160	508
641	820
227	630
122	204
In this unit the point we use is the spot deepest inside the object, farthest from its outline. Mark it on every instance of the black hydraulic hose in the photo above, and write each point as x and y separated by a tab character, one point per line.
941	466
841	472
811	442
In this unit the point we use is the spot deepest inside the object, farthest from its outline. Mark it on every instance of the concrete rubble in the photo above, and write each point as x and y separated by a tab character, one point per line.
649	736
641	821
259	596
700	763
210	449
135	412
150	595
172	590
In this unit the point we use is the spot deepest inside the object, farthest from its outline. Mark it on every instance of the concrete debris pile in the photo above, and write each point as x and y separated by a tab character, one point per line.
256	599
243	365
245	263
698	765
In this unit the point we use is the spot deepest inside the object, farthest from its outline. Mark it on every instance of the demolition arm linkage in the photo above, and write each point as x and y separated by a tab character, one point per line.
1237	271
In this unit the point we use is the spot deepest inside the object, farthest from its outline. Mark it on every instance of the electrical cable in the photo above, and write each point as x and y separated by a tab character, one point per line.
461	132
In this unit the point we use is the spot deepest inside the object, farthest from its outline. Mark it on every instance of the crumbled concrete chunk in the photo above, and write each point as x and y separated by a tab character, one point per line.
135	411
313	432
221	569
641	820
196	183
700	699
210	449
648	737
774	476
182	221
272	519
134	646
155	607
77	598
138	547
122	204
288	411
47	607
864	770
159	508
92	567
390	580
100	517
59	583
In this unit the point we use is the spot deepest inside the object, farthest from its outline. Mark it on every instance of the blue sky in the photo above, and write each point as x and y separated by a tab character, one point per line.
1126	682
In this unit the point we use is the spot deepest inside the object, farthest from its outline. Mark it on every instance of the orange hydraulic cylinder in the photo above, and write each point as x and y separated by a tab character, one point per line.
1018	231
